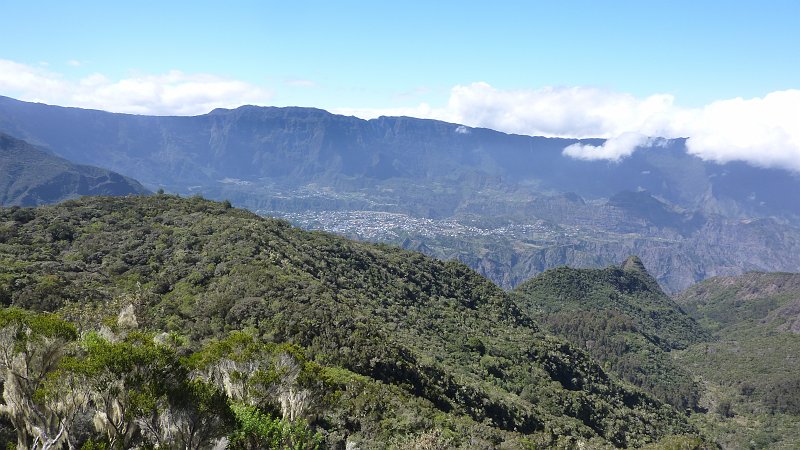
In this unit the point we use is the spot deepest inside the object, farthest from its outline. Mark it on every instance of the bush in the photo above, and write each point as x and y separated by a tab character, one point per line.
257	430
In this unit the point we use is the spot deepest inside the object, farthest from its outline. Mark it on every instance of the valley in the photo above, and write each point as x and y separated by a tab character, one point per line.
512	236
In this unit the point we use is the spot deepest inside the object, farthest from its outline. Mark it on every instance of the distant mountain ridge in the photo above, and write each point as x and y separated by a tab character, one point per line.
30	177
301	145
510	206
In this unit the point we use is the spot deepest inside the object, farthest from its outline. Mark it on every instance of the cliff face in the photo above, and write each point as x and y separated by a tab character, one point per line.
306	145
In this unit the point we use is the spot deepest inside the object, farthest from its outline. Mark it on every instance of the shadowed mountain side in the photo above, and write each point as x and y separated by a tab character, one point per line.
30	176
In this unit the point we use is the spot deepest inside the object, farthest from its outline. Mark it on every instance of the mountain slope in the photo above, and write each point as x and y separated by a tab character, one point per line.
30	176
441	334
620	316
770	300
751	367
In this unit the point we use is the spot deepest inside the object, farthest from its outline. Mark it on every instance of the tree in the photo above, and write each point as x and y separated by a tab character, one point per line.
143	395
125	380
196	414
261	374
31	347
257	430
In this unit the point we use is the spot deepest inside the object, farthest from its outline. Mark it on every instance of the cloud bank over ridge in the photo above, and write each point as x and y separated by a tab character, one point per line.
763	131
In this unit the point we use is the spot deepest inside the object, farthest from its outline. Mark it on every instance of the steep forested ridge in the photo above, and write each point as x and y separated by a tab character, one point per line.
725	349
389	348
622	317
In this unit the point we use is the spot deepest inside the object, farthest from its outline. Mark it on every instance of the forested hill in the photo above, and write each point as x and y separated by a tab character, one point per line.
752	367
620	316
341	343
30	176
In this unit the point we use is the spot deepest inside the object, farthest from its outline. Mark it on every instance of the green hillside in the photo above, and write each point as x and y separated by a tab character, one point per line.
249	328
752	367
621	317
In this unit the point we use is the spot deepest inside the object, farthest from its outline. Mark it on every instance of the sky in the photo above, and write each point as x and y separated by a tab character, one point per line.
725	74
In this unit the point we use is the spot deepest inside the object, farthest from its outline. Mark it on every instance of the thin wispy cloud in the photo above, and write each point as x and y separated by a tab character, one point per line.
414	93
171	93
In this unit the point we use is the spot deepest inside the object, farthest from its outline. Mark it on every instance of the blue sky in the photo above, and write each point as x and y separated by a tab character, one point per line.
460	61
383	54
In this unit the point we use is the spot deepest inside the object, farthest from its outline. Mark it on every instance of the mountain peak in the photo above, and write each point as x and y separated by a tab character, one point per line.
634	264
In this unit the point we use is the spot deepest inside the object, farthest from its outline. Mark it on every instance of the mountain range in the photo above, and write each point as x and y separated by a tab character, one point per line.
509	206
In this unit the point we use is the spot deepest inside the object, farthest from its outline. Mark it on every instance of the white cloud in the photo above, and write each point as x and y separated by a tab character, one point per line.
172	93
613	149
35	82
566	112
764	131
761	131
74	63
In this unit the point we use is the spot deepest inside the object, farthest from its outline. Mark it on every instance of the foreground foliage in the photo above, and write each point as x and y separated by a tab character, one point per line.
193	322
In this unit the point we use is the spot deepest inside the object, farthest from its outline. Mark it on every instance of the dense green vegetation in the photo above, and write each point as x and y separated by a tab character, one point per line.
730	358
621	317
751	368
176	316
